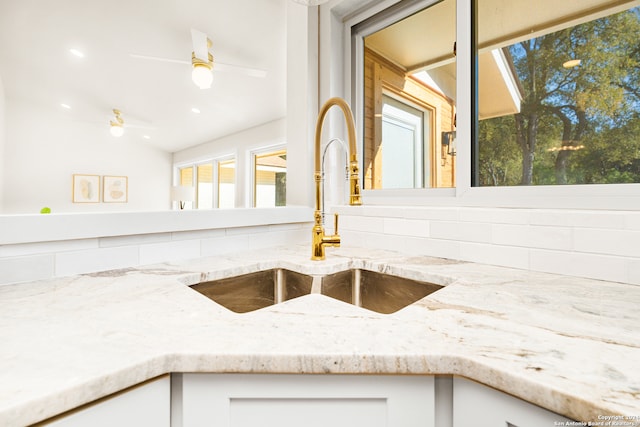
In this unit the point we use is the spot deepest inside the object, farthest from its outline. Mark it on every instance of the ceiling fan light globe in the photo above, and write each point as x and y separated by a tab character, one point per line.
116	130
202	76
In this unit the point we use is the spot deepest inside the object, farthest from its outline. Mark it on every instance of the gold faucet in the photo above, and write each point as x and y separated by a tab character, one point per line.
318	238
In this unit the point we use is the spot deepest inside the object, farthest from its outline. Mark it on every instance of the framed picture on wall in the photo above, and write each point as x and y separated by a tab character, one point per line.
115	189
86	188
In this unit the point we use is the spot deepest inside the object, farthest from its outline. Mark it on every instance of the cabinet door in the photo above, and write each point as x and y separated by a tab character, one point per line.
145	405
481	406
284	400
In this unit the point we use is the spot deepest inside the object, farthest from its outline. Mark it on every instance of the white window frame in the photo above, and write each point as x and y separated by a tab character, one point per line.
216	179
350	50
251	155
202	161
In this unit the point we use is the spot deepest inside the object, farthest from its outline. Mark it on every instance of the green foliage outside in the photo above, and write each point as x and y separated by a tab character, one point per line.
577	125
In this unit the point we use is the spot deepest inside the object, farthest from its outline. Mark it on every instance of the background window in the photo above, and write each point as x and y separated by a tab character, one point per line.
227	184
186	179
270	179
204	193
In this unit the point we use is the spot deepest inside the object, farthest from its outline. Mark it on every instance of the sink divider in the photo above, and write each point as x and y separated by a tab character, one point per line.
357	275
280	286
316	285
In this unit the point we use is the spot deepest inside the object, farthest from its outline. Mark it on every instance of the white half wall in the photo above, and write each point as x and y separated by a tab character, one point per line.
42	152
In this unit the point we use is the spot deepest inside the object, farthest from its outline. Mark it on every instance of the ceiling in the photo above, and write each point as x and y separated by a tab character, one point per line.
156	98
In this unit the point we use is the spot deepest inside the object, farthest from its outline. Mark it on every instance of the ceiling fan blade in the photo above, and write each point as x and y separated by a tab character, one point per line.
158	58
253	72
200	47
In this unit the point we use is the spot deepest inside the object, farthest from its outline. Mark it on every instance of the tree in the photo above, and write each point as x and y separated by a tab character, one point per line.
566	109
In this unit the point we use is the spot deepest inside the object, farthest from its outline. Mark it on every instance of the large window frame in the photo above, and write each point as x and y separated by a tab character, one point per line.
349	44
215	165
253	155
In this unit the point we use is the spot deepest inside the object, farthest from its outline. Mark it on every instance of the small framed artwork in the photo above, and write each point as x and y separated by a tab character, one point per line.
86	188
115	189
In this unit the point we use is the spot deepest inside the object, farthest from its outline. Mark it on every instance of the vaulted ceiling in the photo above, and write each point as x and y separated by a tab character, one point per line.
157	98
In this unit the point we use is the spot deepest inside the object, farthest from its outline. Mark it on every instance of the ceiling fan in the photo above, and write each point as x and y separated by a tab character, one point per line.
117	124
202	62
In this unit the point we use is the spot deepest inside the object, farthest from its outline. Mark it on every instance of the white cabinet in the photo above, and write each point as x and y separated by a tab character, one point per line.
481	406
283	400
147	404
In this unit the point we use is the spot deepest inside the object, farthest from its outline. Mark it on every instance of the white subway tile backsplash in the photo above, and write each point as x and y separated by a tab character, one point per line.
135	239
634	271
236	231
361	223
432	247
581	265
576	218
197	234
278	238
495	215
361	239
293	226
632	220
88	261
532	236
461	231
596	244
222	245
26	268
432	213
505	256
23	249
169	251
610	242
405	227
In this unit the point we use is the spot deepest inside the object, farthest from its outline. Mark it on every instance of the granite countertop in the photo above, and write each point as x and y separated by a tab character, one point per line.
568	344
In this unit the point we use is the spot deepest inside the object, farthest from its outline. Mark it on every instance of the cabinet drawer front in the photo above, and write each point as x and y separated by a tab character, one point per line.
283	400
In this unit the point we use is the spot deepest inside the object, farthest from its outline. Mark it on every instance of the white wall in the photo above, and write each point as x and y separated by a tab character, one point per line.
239	145
42	152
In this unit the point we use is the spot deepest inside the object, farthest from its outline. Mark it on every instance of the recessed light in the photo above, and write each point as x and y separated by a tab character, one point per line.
67	106
146	136
196	110
77	53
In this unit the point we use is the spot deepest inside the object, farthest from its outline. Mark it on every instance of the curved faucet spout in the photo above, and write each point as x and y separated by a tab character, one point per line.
319	239
354	178
324	155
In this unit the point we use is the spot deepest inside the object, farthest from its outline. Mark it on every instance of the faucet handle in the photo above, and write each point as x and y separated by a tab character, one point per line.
335	223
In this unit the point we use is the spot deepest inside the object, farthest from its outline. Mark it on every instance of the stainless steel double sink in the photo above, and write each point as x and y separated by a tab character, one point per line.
374	291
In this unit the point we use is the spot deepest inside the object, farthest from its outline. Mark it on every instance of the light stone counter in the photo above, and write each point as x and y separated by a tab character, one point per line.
567	344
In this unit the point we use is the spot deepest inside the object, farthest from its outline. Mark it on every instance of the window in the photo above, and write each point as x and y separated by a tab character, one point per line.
214	183
408	99
270	179
561	105
186	180
204	186
586	132
226	184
